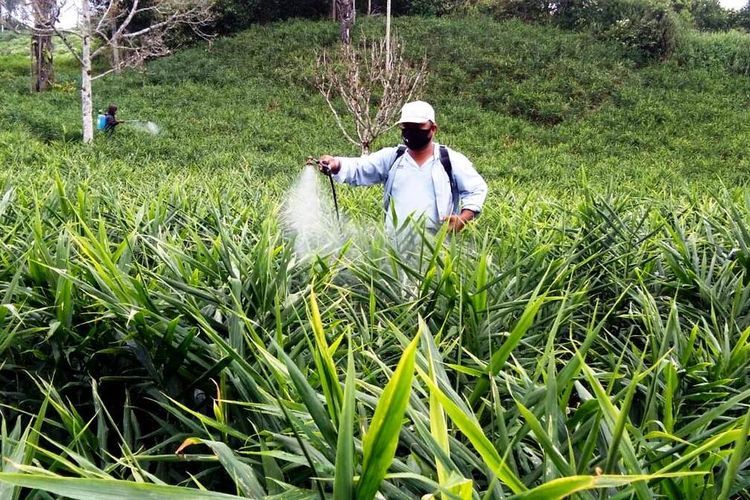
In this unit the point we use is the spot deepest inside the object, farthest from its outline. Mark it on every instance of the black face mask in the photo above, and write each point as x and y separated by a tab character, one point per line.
416	138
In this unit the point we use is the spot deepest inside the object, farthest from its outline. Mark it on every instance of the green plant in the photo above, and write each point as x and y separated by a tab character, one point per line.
648	28
587	336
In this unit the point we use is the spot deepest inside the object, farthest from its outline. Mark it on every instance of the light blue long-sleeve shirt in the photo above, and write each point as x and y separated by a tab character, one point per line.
381	167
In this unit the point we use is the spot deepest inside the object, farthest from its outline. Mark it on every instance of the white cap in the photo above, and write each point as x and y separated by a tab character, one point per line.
417	112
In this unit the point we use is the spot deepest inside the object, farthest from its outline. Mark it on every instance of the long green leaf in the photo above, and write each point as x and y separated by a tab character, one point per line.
96	489
324	361
343	485
241	473
470	427
379	444
501	355
566	486
736	460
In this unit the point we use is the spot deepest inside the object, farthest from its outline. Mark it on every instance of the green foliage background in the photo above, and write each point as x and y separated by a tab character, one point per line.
595	318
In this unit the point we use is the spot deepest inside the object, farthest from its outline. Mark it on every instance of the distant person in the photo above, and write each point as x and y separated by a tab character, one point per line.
423	179
110	119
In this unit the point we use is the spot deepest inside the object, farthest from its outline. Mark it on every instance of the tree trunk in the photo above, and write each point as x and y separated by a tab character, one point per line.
388	62
86	97
115	48
345	12
42	70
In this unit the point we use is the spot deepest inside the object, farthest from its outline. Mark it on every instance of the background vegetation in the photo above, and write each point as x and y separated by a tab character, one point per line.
592	323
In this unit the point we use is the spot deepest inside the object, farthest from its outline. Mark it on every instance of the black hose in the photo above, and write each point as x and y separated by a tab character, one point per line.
335	199
327	171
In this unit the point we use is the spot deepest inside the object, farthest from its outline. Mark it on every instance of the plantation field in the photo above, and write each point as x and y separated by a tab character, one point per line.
588	335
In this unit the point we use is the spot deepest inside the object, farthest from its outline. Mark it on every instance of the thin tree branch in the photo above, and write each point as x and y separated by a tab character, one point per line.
105	15
111	70
69	46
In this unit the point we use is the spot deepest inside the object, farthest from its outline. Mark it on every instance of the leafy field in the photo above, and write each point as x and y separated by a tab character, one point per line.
588	333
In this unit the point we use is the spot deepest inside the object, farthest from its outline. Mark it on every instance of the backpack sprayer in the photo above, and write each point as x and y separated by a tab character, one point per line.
323	167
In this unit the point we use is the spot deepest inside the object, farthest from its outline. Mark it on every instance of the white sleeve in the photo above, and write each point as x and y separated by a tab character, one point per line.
366	170
472	189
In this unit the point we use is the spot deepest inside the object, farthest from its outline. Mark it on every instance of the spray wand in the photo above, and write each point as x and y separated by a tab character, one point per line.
323	167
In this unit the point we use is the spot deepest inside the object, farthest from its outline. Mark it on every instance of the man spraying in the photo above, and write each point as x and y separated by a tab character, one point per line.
110	120
423	179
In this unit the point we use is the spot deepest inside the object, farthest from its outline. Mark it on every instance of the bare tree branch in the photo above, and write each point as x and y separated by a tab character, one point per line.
70	47
368	83
123	26
106	15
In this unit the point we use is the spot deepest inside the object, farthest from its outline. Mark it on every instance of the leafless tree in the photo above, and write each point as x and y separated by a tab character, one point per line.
388	34
45	14
9	8
369	83
38	17
108	25
345	11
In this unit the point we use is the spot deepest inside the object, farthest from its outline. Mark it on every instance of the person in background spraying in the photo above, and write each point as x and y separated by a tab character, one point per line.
110	120
423	179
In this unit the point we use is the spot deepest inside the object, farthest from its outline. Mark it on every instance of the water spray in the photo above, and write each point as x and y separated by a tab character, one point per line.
323	167
145	125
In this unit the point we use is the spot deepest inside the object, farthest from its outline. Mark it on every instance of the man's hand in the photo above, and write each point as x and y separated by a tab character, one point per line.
457	222
328	164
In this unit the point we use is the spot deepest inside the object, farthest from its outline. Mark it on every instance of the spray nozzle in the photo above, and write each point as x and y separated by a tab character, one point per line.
322	166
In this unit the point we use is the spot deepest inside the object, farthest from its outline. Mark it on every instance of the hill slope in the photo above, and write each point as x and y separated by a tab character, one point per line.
532	106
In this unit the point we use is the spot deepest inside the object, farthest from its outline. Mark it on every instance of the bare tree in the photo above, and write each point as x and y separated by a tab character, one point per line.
345	11
45	13
106	24
38	17
8	9
359	82
388	35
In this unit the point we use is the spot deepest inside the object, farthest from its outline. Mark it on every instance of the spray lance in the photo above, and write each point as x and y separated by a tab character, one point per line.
323	167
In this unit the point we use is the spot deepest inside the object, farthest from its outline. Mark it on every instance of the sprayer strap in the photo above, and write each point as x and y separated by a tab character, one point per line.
399	153
445	159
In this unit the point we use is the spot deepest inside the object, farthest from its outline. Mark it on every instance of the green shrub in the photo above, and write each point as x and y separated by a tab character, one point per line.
647	28
709	15
526	10
741	18
421	7
730	51
236	15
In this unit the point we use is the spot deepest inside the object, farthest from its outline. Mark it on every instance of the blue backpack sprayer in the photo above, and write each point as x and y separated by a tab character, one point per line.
101	121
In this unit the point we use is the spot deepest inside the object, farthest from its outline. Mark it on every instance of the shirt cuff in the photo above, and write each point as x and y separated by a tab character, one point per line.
344	166
474	208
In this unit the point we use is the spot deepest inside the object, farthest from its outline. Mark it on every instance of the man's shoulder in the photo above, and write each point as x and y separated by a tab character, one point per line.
455	156
390	153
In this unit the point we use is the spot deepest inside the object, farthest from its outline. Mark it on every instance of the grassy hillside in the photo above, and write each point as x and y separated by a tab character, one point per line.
589	332
532	106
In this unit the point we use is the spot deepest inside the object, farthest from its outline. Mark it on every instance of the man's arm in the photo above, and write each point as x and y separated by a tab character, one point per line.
111	122
457	222
472	191
362	171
